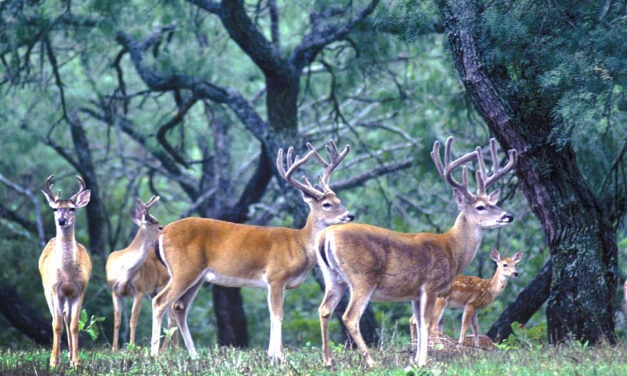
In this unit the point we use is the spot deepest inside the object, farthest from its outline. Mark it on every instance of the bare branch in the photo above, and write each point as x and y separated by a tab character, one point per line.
383	169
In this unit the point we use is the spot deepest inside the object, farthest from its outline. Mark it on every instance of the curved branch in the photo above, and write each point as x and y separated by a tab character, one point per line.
316	40
161	133
385	168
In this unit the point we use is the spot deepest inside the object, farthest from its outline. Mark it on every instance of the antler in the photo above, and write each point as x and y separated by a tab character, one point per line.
48	189
445	171
484	181
148	204
81	183
292	165
335	159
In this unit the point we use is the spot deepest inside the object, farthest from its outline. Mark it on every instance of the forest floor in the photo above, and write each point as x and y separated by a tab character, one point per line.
570	359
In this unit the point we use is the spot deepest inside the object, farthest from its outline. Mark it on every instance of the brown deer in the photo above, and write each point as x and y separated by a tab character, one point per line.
385	266
136	271
236	255
472	294
65	269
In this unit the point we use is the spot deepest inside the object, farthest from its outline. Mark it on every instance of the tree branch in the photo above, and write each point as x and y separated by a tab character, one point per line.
382	169
161	133
317	39
38	226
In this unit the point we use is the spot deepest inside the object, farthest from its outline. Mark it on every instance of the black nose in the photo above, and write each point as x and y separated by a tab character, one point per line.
62	221
508	218
350	217
515	274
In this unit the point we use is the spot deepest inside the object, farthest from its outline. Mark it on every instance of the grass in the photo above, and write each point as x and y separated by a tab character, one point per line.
570	359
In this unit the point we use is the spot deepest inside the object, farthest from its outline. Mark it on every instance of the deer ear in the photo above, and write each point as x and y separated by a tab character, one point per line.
82	198
50	199
517	256
494	196
460	199
307	198
136	216
495	255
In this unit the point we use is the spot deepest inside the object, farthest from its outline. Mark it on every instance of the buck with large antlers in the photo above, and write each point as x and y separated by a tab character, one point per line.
236	255
383	265
136	271
472	294
65	269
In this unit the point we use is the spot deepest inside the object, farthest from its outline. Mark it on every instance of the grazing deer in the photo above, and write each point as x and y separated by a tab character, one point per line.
236	255
65	269
383	265
136	271
472	294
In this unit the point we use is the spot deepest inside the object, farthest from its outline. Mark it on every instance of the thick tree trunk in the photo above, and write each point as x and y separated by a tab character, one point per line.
581	239
227	303
526	304
23	317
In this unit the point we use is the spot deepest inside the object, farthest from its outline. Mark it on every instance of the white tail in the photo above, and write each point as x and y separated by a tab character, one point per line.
65	269
382	265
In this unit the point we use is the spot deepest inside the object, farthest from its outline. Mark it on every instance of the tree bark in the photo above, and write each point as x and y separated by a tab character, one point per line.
227	303
526	304
23	317
581	239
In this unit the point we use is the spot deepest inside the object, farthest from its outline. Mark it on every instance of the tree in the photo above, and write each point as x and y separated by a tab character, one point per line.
514	67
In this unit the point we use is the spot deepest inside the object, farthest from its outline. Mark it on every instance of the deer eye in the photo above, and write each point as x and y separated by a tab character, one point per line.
326	205
505	265
480	208
54	209
72	209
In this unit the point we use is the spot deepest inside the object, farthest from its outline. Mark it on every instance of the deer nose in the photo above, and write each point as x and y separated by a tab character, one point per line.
350	217
515	274
507	218
62	221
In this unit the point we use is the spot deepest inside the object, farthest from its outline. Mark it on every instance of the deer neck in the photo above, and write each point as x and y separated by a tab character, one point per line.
465	239
65	244
498	282
307	237
138	249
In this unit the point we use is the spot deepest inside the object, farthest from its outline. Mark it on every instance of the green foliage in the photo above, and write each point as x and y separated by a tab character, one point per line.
526	338
90	327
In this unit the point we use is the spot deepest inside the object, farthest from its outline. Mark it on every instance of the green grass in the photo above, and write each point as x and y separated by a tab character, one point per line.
572	359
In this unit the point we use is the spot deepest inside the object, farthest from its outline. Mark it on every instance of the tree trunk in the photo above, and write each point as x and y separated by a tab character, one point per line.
526	304
227	303
23	317
581	239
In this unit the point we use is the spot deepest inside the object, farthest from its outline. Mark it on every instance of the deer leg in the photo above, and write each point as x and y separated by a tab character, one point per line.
276	292
412	330
171	324
475	329
137	307
57	330
179	308
438	310
75	315
172	292
117	313
469	311
427	300
356	306
334	292
67	311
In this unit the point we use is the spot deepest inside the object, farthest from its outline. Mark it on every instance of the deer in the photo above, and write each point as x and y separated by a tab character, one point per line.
472	294
195	250
65	268
386	266
136	271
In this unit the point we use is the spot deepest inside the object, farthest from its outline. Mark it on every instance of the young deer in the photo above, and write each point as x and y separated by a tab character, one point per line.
472	294
236	255
383	265
65	269
136	271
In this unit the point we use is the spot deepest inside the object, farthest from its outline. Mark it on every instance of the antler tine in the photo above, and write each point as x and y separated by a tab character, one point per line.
81	188
153	200
446	170
49	186
291	167
335	158
497	171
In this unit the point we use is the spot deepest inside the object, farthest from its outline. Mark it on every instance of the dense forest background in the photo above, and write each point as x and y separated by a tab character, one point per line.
191	100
